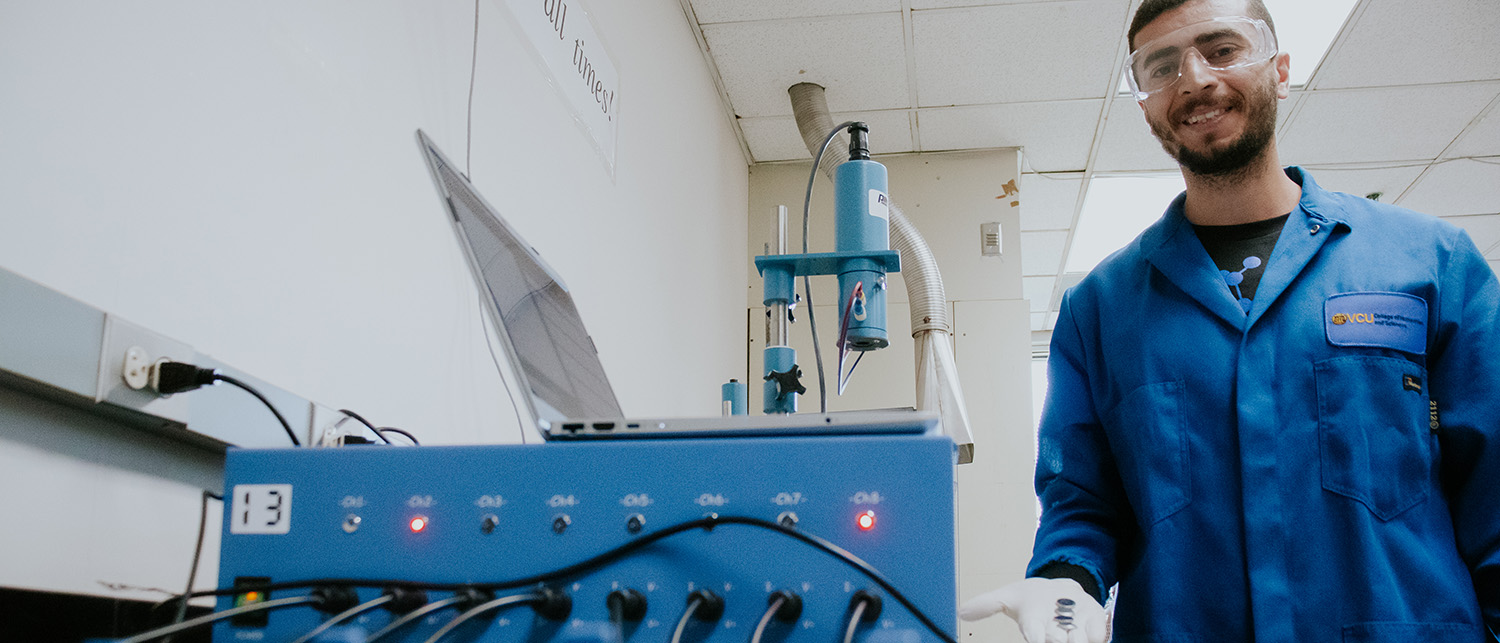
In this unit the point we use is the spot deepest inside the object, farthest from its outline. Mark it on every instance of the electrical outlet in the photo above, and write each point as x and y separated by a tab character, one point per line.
137	369
125	361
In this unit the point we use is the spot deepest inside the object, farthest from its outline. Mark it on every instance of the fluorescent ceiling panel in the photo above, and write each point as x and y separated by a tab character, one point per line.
1117	209
1306	30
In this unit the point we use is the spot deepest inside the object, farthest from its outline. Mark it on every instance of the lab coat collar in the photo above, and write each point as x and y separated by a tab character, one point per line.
1173	248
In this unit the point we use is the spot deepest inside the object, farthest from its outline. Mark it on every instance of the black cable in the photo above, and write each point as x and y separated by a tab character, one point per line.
503	601
473	67
365	422
182	601
248	389
344	616
392	429
218	616
708	523
806	282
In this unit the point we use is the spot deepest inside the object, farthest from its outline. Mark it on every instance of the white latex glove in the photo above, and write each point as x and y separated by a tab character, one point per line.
1033	604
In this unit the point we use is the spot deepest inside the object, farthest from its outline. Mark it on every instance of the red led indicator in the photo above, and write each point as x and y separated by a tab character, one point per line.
866	520
418	524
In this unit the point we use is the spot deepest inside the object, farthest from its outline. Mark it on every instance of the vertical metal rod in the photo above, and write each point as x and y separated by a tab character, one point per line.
776	314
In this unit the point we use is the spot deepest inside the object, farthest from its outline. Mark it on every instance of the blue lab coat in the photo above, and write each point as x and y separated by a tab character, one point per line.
1282	475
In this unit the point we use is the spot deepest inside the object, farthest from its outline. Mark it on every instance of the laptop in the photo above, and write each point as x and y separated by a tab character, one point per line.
564	387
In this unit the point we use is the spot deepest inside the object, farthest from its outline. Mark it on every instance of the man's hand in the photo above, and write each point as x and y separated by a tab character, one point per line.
1033	604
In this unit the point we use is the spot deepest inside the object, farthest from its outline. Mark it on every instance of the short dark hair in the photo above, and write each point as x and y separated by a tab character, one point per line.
1152	9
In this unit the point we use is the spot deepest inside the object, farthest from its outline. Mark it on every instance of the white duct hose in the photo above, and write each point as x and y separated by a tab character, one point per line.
937	374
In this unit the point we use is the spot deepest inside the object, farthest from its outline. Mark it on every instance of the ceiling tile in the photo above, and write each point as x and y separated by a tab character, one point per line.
1016	53
1049	200
854	58
1127	143
1041	252
1038	290
949	4
1375	125
776	138
1400	42
1055	135
711	11
1482	140
1390	182
1457	187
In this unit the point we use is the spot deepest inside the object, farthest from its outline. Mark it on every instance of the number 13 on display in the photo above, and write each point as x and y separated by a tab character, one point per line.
261	509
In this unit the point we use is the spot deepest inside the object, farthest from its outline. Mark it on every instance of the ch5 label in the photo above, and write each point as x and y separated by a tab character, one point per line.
866	498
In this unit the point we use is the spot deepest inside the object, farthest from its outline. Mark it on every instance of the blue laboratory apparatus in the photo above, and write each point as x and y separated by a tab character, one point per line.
861	259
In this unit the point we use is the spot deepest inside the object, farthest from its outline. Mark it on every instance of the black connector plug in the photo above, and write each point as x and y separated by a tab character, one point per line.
404	599
554	604
791	605
333	599
710	605
168	377
872	605
629	603
472	597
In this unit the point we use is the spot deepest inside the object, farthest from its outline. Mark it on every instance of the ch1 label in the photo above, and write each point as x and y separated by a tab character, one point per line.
261	509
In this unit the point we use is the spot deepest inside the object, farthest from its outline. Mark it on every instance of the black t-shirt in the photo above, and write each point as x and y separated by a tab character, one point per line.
1241	252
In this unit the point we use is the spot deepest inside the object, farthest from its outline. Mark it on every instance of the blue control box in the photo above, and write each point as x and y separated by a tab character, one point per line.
750	520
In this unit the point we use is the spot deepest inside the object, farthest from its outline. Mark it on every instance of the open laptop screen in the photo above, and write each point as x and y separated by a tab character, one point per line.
536	313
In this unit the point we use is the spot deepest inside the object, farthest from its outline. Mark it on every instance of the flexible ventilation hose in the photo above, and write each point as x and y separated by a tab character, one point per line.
919	269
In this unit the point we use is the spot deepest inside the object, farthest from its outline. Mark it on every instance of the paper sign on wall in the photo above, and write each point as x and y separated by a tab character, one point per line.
569	50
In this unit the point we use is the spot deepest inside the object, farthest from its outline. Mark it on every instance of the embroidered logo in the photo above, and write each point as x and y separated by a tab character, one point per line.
1377	319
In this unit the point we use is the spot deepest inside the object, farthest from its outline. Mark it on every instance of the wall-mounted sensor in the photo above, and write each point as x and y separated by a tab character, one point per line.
989	239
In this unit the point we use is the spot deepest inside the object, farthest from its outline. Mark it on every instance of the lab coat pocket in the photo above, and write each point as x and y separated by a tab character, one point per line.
1152	451
1373	440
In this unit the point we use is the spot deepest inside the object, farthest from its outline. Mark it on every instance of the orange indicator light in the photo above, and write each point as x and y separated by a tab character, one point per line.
866	520
418	524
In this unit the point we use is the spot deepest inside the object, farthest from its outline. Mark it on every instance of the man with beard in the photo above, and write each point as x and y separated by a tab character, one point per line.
1275	414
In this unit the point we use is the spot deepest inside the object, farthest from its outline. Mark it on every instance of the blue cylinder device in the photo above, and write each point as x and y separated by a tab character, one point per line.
861	224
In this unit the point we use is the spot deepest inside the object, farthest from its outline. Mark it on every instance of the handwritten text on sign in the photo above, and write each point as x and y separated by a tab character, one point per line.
569	48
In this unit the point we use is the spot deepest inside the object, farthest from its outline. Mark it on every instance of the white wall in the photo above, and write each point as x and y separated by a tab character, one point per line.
947	197
244	177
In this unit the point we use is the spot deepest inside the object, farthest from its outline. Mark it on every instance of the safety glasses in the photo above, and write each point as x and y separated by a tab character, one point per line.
1222	44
